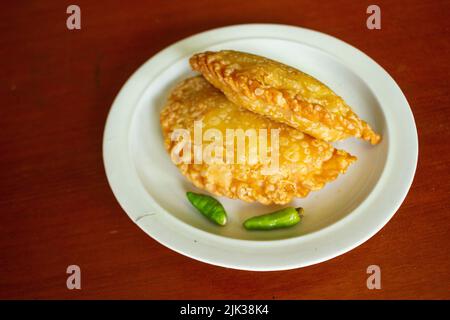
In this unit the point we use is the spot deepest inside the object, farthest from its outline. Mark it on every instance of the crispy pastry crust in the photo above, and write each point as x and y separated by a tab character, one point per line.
283	94
305	163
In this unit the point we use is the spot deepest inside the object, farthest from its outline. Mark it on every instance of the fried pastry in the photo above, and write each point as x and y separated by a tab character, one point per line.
304	163
283	94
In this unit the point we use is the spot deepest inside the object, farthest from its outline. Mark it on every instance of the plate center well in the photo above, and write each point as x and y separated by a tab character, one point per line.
167	186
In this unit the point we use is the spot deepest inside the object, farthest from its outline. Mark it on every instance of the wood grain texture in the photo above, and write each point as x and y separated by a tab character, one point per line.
57	209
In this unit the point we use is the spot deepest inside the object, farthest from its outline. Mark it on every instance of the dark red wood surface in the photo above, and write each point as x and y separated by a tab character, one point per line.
57	209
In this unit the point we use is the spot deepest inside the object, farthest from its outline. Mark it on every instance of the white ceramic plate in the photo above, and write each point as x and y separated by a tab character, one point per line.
338	218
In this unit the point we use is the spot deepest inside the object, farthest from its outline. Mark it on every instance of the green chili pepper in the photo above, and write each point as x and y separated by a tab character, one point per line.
279	219
209	207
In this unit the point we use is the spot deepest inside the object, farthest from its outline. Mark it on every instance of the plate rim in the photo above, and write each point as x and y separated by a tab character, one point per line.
126	194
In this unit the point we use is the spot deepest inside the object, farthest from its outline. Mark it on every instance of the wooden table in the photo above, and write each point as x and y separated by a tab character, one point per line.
56	206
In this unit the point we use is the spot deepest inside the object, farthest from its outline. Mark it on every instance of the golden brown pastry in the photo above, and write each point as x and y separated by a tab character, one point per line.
304	163
283	94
